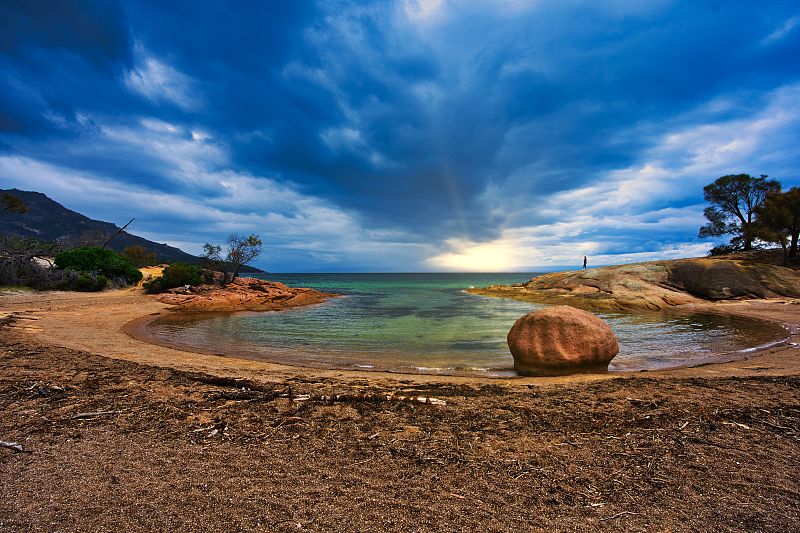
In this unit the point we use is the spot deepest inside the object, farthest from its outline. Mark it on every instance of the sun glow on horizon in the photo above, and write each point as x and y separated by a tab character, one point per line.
517	252
477	257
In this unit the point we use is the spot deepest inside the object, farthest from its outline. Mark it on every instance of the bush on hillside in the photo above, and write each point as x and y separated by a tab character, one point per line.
723	249
98	262
175	275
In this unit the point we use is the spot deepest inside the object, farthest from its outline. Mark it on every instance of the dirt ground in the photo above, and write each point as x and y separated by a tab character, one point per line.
114	442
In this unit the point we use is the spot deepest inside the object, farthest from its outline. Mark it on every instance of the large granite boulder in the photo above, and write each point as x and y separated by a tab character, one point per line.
561	340
723	279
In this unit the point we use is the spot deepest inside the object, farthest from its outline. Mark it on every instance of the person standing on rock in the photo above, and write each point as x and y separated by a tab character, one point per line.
584	262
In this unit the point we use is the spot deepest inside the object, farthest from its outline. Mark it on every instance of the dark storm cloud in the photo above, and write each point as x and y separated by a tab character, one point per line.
413	122
56	57
94	29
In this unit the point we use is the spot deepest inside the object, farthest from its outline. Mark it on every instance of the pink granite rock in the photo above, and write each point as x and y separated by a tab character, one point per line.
561	340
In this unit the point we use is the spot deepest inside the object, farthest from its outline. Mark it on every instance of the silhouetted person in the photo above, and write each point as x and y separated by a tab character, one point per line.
584	262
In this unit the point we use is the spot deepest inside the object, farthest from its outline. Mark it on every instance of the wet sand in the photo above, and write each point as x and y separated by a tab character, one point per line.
119	433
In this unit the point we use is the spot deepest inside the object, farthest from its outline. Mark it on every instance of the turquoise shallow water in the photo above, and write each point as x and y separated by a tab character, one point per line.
427	323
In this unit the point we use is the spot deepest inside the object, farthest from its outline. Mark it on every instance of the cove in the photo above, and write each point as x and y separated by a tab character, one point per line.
426	323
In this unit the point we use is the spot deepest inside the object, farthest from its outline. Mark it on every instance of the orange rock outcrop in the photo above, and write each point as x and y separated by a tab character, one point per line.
243	294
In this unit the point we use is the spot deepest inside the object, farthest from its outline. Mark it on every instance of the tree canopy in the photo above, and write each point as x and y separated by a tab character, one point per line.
779	220
242	250
734	201
95	259
239	250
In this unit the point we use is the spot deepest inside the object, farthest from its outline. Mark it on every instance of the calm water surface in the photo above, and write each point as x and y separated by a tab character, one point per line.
427	323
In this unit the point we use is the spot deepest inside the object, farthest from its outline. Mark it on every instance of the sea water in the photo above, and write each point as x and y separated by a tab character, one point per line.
428	323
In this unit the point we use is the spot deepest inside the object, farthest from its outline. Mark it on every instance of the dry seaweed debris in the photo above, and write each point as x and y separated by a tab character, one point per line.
156	448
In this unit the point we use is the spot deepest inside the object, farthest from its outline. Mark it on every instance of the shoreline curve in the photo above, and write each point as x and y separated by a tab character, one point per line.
58	318
137	328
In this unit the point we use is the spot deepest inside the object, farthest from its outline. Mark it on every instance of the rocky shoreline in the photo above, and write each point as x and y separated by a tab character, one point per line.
656	285
242	294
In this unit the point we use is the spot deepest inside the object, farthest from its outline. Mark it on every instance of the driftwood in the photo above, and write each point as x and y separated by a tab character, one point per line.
613	516
95	414
17	447
346	398
248	391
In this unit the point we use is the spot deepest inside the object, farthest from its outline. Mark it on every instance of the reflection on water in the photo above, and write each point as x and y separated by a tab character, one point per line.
427	323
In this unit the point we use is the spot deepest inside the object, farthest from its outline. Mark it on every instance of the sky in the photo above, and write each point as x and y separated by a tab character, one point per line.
409	135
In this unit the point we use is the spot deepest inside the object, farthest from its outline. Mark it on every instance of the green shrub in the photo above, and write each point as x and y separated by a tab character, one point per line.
88	282
175	275
73	280
91	259
723	249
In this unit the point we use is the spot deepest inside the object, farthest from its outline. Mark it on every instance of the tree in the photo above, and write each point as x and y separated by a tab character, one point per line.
772	227
22	262
241	250
779	220
734	201
791	200
212	260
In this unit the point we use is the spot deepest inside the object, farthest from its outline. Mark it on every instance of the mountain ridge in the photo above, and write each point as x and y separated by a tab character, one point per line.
48	220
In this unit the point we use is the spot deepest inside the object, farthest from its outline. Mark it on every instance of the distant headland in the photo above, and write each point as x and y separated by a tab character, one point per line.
659	285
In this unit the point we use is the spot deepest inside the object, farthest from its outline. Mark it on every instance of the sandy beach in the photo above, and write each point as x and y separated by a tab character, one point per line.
117	432
399	265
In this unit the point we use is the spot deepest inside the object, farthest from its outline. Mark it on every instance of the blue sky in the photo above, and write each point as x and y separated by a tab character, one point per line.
414	135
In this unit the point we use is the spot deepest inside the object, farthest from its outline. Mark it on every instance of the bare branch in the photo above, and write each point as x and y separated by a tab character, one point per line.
117	234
